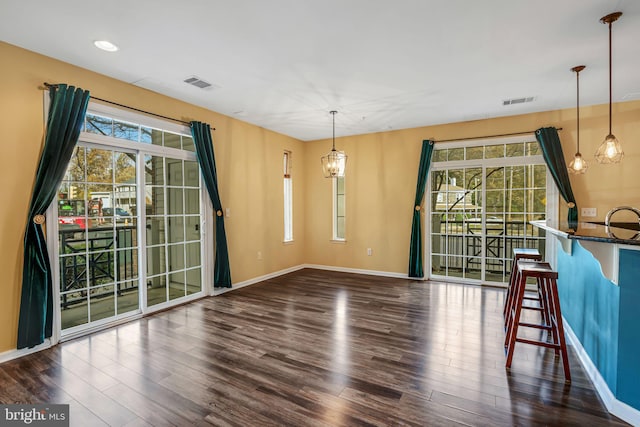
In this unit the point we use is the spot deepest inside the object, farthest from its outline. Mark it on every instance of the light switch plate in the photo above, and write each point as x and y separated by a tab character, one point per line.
588	212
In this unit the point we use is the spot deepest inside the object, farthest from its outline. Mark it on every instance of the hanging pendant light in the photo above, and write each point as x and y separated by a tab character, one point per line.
334	163
610	151
578	165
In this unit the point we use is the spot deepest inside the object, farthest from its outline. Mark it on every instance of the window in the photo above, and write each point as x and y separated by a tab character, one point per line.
288	197
338	209
483	195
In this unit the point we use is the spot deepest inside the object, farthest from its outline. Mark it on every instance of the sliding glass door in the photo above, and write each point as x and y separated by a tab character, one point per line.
481	201
130	218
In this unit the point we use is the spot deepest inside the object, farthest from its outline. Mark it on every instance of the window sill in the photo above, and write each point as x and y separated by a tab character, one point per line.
339	241
288	242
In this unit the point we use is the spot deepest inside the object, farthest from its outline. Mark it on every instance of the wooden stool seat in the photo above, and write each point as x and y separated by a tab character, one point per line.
537	269
526	252
546	279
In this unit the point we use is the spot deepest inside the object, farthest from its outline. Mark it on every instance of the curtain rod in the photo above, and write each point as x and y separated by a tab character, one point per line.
488	136
48	85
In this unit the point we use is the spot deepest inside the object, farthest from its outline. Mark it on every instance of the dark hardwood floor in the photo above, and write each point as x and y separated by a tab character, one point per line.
311	348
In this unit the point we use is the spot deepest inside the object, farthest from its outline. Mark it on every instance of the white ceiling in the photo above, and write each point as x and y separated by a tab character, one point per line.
383	64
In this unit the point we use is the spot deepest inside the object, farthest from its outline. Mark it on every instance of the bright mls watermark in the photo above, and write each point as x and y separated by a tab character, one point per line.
41	415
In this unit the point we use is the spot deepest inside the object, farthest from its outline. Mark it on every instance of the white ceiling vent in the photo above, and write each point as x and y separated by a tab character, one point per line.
198	82
518	100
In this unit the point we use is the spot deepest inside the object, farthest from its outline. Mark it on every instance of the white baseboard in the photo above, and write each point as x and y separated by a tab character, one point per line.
361	271
14	354
613	405
220	291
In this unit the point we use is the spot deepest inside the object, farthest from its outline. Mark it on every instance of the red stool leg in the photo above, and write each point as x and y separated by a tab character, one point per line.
515	319
544	301
508	323
550	312
512	277
557	321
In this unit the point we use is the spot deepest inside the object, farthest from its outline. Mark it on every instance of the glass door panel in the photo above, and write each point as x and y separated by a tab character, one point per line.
97	237
456	222
173	229
156	230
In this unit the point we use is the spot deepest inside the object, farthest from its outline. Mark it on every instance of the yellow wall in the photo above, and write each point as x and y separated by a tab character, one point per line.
380	182
249	161
382	170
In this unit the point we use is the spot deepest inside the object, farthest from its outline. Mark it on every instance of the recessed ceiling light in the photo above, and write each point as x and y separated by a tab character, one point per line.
105	45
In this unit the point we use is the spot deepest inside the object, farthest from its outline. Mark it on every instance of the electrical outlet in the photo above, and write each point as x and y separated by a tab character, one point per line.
588	212
369	251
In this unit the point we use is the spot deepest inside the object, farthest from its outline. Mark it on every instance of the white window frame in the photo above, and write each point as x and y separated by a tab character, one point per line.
288	196
551	193
334	192
100	141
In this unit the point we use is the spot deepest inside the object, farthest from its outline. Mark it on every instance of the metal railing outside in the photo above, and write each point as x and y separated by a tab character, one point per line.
94	261
460	245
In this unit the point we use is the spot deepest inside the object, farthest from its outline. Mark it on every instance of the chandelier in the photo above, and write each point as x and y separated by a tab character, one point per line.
334	163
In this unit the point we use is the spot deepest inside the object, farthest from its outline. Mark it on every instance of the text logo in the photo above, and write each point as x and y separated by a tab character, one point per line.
41	415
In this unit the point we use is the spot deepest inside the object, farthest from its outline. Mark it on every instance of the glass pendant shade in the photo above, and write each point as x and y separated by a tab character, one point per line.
578	165
335	162
610	151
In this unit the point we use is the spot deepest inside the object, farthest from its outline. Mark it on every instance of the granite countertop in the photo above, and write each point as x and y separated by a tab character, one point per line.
622	233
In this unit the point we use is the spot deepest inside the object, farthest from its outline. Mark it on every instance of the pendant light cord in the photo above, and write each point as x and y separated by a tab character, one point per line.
578	110
577	70
610	89
333	113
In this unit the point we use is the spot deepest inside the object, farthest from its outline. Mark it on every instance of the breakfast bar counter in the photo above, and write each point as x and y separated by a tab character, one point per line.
599	285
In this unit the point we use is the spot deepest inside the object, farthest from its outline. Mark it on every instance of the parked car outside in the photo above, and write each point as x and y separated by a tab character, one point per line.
72	222
121	215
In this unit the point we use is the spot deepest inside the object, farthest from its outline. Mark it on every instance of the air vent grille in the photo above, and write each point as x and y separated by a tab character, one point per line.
198	82
518	100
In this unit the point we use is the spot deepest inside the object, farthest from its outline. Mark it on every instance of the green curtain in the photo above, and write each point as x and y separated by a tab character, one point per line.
66	116
415	248
204	149
554	157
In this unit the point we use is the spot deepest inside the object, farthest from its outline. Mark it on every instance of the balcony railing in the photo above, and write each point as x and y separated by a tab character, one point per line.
94	261
459	246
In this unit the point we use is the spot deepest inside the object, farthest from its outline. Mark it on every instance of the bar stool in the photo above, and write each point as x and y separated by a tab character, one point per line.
547	283
518	254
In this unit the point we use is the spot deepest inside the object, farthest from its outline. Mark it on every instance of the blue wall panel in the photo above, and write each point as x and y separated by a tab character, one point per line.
590	304
629	336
